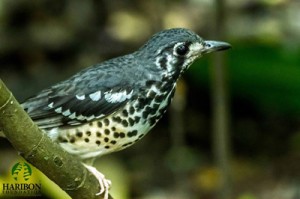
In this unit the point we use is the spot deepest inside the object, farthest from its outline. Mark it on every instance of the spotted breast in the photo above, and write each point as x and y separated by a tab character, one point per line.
118	131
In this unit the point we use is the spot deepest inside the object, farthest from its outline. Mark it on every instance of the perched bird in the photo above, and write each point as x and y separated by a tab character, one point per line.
111	105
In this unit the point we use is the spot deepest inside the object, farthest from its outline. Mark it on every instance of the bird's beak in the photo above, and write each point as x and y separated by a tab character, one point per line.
211	46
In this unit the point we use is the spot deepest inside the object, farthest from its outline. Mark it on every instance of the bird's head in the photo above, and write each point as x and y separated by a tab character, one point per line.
174	50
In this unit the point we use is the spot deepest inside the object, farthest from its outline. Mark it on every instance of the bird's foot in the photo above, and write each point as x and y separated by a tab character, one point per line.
103	182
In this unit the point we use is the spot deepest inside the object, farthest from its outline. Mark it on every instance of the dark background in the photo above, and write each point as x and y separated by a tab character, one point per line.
43	42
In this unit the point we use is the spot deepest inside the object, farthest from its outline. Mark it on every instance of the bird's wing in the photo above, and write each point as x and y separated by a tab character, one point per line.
83	98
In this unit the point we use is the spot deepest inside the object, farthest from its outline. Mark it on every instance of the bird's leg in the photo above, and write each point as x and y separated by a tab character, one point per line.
103	182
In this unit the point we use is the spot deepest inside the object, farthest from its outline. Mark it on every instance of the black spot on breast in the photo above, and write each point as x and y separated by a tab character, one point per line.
152	120
159	98
131	110
153	111
107	147
86	140
127	144
98	142
137	119
132	133
113	128
113	142
155	106
129	134
106	139
144	101
138	106
124	123
99	124
117	119
98	134
62	139
150	110
88	133
162	110
106	122
131	121
146	112
72	140
140	103
116	135
125	113
122	135
107	131
79	134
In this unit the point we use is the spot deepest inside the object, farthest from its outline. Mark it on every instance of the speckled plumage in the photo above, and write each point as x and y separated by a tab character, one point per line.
109	106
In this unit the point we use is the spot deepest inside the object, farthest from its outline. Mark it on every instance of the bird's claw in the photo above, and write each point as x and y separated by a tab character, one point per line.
103	182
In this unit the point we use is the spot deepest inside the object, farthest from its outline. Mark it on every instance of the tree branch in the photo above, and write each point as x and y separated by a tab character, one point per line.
39	150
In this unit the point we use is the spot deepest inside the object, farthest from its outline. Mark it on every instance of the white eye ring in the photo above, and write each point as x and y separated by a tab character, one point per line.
181	49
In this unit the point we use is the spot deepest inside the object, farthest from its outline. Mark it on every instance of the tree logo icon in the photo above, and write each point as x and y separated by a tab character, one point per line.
22	169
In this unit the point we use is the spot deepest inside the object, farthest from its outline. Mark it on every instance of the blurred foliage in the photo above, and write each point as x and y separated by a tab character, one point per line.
265	74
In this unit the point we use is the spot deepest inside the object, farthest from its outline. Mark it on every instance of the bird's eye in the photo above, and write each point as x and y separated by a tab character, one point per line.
182	49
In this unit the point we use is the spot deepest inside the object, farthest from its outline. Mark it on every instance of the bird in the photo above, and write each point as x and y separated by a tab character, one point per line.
109	106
